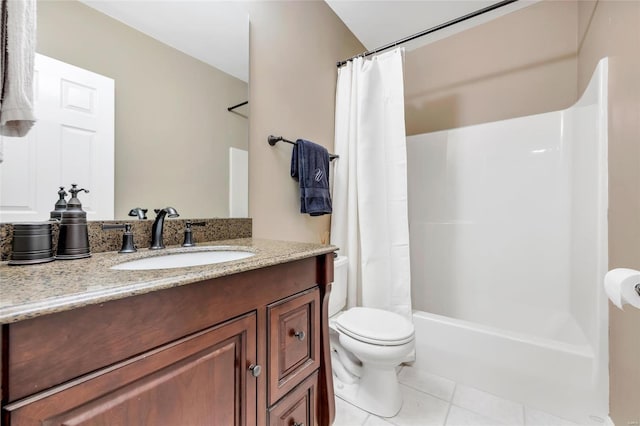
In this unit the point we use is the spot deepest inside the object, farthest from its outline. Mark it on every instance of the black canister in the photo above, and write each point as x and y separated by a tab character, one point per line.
31	243
73	240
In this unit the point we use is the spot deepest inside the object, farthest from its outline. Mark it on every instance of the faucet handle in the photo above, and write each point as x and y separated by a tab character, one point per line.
128	245
188	235
190	224
110	226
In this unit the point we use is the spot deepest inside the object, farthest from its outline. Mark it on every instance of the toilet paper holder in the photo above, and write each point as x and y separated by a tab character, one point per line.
622	286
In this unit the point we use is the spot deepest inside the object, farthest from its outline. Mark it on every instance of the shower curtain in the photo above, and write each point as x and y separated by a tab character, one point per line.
370	219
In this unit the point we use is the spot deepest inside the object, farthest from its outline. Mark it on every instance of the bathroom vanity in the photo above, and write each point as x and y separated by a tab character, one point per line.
235	343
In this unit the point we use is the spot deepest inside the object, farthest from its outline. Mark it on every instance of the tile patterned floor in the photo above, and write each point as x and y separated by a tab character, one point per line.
431	400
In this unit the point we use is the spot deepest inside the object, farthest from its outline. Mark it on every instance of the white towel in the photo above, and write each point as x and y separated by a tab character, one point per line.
18	51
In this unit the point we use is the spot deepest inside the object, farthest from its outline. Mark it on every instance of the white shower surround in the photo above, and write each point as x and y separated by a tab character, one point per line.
508	232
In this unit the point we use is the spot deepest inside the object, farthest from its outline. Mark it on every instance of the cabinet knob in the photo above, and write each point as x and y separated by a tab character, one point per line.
255	370
299	335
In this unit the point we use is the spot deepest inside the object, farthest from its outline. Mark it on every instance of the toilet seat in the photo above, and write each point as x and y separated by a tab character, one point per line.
375	326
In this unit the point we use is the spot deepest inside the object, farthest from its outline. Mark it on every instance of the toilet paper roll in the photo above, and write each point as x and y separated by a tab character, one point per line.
620	285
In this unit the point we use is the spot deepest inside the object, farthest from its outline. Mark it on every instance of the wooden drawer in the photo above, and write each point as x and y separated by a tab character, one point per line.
298	407
294	342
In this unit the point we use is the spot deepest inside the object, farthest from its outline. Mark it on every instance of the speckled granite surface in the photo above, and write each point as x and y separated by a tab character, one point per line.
102	241
34	290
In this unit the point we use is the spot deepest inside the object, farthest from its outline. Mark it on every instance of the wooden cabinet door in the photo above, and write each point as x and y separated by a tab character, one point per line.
202	379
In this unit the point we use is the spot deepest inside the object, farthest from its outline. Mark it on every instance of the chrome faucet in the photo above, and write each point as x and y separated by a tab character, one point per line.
158	226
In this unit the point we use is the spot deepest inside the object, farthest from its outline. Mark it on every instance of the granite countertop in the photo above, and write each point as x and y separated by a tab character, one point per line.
35	290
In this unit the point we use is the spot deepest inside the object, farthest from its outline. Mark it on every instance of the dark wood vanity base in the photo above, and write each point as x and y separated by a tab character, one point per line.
243	349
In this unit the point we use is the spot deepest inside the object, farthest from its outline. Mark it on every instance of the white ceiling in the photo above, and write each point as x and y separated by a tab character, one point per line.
217	31
379	22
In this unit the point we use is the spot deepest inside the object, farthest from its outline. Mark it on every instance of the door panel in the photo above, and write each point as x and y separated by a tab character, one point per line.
159	387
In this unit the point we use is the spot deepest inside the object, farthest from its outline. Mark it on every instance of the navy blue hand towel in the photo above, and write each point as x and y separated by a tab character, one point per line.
310	167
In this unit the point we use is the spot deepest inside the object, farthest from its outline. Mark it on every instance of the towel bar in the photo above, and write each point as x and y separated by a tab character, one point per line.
275	139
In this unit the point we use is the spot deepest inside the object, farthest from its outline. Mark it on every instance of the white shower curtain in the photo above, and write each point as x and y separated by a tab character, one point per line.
370	219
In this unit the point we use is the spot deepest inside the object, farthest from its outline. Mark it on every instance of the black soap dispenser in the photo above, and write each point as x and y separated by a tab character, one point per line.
73	240
61	205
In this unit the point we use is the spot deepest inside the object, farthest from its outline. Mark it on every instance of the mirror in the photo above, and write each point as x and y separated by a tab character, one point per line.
173	132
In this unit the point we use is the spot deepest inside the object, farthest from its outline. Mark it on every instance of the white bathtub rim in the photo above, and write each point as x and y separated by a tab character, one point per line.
585	351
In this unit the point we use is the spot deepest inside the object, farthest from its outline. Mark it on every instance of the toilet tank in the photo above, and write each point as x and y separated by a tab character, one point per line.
338	295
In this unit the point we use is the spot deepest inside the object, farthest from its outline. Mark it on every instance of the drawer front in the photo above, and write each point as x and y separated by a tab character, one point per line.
294	342
298	407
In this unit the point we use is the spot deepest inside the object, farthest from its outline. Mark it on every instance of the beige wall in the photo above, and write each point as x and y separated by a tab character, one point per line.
520	64
612	28
294	49
173	130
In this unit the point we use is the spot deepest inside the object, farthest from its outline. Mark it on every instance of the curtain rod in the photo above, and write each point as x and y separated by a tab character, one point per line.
429	31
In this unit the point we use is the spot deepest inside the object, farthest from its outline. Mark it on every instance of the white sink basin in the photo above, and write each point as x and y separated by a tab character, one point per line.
203	256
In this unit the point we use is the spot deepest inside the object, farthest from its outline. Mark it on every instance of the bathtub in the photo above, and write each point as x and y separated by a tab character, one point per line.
542	373
508	230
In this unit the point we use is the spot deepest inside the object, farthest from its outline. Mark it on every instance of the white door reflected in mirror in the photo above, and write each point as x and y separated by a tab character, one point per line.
71	142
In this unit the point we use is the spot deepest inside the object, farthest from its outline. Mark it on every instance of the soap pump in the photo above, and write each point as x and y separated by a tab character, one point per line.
73	240
61	205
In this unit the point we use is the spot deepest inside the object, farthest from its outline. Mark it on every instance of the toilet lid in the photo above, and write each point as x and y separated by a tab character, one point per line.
375	326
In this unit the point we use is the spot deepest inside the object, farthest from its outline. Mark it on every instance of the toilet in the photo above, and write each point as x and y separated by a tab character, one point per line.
367	345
